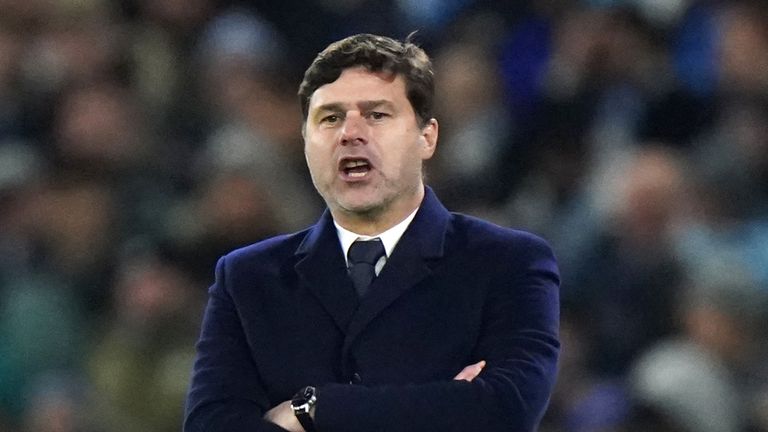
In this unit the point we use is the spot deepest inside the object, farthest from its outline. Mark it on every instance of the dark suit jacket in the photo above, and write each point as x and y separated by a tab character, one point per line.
283	314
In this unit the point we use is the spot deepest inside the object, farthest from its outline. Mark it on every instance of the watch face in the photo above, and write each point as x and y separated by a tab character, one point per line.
309	392
304	396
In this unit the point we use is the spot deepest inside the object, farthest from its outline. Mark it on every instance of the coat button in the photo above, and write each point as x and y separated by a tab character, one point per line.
356	378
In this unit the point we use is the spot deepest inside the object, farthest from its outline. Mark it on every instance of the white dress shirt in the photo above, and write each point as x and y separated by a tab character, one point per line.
389	239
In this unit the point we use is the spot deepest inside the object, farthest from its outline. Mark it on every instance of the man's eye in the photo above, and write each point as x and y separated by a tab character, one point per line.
333	118
378	115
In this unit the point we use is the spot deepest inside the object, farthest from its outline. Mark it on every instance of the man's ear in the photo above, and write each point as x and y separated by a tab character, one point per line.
429	134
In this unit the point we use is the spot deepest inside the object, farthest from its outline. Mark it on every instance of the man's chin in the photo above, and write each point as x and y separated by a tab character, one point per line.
361	208
358	200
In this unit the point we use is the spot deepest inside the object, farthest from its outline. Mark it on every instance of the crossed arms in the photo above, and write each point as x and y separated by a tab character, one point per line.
282	415
507	393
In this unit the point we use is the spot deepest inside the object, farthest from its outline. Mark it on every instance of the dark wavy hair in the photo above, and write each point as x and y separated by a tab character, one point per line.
376	53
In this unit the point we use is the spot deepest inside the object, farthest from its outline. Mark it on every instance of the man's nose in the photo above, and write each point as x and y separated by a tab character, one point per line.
354	130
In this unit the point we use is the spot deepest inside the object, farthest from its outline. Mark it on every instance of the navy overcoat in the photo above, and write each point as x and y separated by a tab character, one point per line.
283	314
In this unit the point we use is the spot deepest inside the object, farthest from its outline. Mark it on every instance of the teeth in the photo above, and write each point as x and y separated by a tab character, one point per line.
354	164
356	174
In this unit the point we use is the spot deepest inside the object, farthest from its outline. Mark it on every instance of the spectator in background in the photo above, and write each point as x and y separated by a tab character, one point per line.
730	157
42	331
10	99
477	122
582	119
624	286
140	363
232	208
256	128
59	403
742	53
585	400
106	160
713	375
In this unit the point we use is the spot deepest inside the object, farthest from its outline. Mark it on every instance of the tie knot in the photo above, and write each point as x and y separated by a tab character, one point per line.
366	251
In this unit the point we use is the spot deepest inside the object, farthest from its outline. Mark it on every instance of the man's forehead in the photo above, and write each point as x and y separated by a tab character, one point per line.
360	85
384	75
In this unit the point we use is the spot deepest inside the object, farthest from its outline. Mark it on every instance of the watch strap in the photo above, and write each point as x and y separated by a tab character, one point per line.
306	421
302	404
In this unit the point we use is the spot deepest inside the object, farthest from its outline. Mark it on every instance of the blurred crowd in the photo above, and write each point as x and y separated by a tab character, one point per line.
142	139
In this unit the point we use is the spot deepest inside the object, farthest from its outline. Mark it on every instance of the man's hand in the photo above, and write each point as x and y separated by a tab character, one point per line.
282	415
470	372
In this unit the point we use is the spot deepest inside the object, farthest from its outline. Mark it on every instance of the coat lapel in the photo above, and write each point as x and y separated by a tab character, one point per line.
408	265
322	269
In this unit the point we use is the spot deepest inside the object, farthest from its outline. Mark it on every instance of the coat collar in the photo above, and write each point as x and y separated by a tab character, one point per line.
322	268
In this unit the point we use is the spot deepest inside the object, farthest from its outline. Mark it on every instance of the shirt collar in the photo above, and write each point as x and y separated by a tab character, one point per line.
389	237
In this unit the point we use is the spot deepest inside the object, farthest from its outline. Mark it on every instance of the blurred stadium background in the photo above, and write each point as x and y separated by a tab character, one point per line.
141	139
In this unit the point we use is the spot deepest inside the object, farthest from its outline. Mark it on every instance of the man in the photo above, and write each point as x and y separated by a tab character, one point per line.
450	324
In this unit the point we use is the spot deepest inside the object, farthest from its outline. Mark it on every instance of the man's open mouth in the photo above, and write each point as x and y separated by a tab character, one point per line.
355	168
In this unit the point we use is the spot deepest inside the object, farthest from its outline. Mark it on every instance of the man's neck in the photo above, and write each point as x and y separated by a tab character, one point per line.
372	224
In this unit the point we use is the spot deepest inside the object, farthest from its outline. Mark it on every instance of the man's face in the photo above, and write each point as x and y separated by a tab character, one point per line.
365	147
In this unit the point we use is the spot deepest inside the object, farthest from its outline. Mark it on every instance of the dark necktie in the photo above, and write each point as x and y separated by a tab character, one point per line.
363	256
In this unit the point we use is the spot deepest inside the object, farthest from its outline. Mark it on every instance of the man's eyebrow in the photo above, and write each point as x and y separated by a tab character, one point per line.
363	105
333	107
369	105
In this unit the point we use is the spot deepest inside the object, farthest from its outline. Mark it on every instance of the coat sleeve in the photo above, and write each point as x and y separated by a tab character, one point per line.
520	343
225	394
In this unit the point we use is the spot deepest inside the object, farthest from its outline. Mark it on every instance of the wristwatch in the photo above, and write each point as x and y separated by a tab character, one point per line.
302	403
